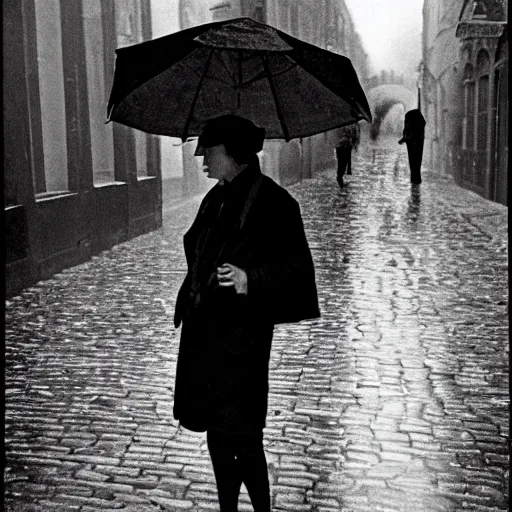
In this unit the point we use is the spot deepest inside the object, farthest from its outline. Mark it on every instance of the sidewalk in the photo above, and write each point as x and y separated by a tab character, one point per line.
490	217
395	400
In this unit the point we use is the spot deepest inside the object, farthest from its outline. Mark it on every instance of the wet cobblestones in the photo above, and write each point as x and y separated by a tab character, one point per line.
396	399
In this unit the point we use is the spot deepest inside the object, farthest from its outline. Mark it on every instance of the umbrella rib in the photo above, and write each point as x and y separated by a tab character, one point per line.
264	59
196	96
262	75
226	67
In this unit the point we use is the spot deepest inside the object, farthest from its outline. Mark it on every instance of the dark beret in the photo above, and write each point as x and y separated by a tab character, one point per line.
238	134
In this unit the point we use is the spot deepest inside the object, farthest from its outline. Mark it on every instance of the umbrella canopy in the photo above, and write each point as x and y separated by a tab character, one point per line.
173	84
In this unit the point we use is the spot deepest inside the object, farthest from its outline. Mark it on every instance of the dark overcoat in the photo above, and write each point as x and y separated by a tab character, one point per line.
222	369
414	126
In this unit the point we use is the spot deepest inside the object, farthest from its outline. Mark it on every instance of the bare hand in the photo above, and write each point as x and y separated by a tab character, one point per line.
229	275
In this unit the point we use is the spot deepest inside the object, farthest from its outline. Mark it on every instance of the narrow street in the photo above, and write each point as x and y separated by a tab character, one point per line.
396	399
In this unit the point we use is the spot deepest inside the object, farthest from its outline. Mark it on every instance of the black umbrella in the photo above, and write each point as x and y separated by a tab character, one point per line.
172	85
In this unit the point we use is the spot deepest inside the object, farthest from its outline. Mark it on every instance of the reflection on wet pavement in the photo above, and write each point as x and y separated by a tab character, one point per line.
396	399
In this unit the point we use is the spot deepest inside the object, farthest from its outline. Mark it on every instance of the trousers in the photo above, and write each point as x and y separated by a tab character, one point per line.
236	459
344	157
415	154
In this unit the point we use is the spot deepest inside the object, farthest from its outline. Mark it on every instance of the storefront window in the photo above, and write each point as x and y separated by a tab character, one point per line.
129	32
102	142
51	93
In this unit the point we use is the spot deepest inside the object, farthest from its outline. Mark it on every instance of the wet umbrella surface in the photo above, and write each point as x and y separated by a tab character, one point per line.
172	85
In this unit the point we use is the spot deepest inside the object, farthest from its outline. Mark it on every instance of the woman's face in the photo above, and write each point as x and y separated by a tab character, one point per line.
218	164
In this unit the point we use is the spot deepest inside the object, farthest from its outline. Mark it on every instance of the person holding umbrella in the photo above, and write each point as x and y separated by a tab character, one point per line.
249	264
249	268
414	135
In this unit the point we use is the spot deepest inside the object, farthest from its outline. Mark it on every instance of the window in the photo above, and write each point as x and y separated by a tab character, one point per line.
141	153
479	10
51	94
483	101
102	140
482	72
129	32
469	108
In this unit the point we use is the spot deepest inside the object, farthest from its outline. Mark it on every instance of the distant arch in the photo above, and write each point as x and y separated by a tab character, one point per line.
379	115
393	120
383	97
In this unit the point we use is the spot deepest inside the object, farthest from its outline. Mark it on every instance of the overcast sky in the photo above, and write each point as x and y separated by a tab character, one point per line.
390	31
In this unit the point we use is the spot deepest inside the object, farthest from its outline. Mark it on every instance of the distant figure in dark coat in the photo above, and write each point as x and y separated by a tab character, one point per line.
347	141
413	136
249	268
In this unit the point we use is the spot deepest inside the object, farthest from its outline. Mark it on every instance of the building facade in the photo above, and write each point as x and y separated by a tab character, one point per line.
464	93
73	185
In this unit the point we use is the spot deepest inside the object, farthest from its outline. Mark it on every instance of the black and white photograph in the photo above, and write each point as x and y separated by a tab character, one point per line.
256	256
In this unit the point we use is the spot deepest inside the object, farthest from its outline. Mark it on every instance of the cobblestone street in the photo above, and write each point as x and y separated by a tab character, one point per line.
396	399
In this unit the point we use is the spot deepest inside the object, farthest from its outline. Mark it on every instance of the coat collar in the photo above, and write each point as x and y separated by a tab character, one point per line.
241	183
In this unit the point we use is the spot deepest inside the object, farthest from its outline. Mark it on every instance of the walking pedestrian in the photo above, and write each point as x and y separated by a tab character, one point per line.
249	268
348	139
414	135
356	139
